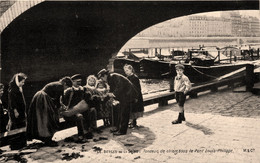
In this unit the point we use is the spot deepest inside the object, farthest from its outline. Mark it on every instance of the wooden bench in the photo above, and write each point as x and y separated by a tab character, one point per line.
6	136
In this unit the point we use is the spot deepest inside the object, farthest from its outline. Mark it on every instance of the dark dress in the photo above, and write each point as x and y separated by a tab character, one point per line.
16	101
95	101
125	93
43	113
138	107
3	118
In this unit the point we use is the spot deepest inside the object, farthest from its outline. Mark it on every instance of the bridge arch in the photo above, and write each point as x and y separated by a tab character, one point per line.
15	10
100	28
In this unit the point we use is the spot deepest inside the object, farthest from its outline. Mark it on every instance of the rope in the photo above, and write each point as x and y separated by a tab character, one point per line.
204	73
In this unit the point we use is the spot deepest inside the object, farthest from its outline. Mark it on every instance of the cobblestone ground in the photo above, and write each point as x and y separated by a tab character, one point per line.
219	127
226	103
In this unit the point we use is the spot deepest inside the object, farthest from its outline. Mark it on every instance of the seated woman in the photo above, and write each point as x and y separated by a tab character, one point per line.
99	90
91	84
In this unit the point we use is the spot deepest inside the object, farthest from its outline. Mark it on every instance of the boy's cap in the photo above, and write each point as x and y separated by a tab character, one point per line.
179	66
76	77
102	73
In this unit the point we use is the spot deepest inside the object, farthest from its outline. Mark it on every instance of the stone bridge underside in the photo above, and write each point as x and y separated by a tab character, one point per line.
53	39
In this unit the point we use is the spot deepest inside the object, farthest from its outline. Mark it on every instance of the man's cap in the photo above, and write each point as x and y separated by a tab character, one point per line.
76	77
102	72
179	66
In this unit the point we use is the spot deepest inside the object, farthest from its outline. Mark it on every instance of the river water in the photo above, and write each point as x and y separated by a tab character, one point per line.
154	85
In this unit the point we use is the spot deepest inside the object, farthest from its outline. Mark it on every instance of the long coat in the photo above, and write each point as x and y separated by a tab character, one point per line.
122	88
43	115
16	101
3	118
139	105
126	93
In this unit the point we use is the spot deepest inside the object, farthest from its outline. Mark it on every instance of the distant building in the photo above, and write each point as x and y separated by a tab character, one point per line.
236	22
243	26
254	26
203	26
229	24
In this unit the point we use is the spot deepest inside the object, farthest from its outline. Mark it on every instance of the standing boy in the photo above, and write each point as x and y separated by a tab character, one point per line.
182	86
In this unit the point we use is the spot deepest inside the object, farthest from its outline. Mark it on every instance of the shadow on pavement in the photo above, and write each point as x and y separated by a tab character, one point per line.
204	129
161	108
135	140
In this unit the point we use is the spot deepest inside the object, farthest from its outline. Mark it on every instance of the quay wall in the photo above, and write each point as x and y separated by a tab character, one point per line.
188	42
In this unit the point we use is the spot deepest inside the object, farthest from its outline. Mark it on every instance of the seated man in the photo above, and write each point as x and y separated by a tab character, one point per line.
91	114
72	97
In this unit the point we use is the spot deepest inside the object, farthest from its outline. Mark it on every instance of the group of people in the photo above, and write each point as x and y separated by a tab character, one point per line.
109	96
